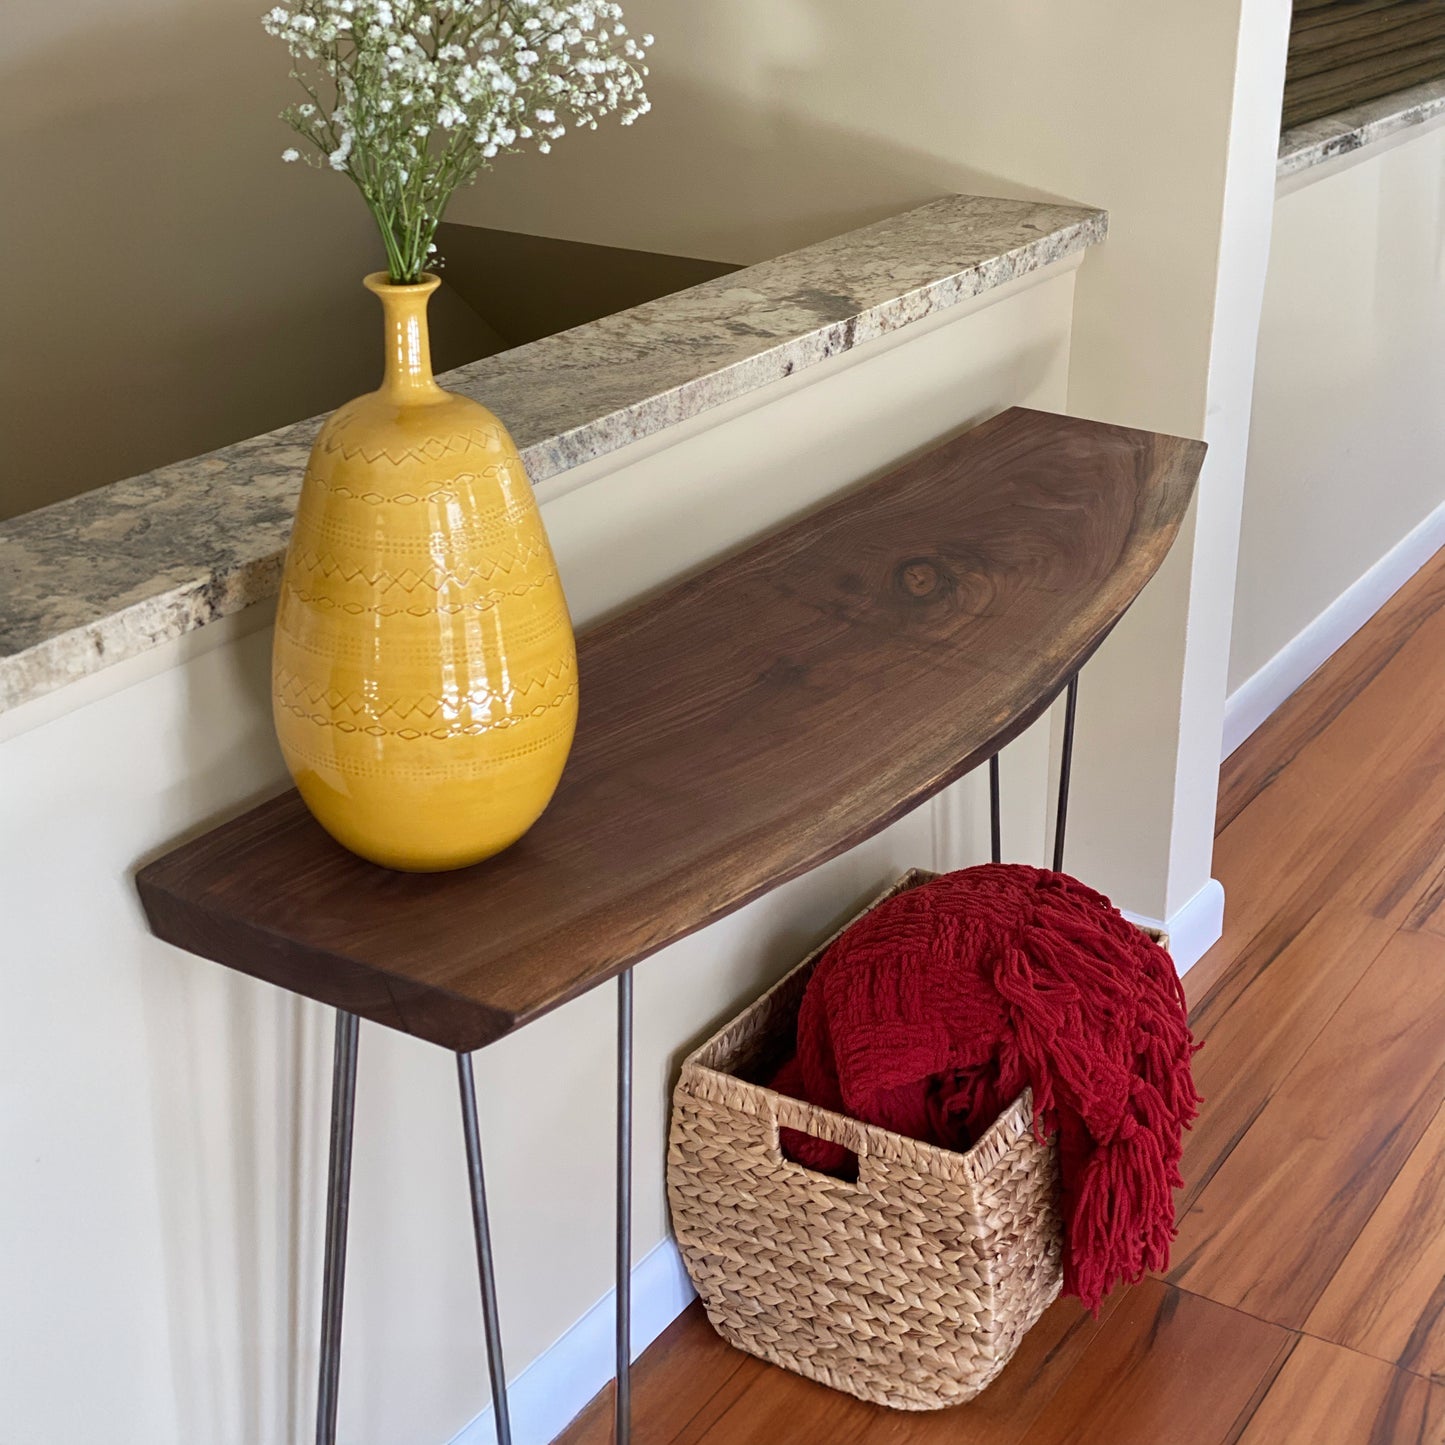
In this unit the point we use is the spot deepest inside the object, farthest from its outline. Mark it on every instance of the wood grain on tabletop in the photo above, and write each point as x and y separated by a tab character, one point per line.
736	730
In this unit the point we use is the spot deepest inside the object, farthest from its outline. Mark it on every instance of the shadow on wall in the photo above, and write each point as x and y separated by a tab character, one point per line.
238	1091
775	124
180	287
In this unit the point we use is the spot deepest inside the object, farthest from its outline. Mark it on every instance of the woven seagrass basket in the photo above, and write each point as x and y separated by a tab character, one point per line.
910	1287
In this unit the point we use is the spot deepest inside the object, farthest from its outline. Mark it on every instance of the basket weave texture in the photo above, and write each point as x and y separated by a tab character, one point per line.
910	1287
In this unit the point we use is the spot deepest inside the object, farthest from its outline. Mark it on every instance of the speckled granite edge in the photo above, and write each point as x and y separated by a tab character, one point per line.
1317	141
107	575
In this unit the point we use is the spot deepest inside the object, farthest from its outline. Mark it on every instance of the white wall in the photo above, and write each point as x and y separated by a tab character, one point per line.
164	1120
777	122
1347	443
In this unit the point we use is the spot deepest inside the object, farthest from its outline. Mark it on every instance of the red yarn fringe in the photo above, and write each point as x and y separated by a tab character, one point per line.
932	1013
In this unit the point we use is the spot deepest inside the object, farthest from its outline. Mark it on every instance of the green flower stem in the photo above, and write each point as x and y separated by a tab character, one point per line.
412	98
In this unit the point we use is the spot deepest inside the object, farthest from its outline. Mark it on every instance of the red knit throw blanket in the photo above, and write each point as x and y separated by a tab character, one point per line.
931	1014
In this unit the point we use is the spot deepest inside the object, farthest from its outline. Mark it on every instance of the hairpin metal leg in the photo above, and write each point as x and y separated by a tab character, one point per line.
482	1230
622	1395
995	816
338	1196
1071	704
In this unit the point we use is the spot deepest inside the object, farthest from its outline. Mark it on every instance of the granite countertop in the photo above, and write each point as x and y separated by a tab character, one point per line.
1317	141
106	575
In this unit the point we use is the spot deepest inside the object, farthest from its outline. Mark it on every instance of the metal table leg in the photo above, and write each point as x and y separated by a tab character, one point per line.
622	1394
995	812
1071	705
338	1196
490	1321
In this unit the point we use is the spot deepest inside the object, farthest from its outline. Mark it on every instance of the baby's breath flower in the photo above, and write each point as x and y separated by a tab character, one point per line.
411	98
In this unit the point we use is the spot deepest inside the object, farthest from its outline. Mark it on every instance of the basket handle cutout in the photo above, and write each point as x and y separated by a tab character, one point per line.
816	1123
846	1172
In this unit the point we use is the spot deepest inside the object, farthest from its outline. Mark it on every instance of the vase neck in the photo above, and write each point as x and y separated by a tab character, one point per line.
408	374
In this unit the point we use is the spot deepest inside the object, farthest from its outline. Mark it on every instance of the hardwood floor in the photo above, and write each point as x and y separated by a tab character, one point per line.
1306	1302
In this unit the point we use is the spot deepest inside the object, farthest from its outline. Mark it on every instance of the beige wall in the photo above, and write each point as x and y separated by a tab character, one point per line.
1347	445
171	285
164	1127
777	122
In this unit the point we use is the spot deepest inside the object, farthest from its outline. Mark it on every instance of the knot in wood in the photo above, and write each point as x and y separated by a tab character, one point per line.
922	577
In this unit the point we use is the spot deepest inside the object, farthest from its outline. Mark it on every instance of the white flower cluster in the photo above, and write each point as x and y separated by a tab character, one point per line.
411	98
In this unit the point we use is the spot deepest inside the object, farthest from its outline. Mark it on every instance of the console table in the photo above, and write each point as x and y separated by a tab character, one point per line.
736	730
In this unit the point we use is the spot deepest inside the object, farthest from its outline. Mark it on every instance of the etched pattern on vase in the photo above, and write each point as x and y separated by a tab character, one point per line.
424	672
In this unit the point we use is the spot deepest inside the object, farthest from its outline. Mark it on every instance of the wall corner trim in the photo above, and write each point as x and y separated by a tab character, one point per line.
1194	929
1257	697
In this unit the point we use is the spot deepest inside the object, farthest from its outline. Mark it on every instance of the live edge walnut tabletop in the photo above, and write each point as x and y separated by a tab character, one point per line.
735	731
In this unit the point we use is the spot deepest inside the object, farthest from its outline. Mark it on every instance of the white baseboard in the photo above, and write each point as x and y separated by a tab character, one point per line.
549	1394
1253	701
1194	929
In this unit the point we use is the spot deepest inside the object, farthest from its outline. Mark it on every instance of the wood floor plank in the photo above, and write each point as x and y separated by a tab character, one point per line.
1428	912
681	1380
1006	1412
1302	937
747	1378
1388	1297
1327	1395
1355	710
1253	766
1358	820
1283	841
1287	984
1269	1229
1166	1367
1208	972
784	1409
759	1402
1151	1367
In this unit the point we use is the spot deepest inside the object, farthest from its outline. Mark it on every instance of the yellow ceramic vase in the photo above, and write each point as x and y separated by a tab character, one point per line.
424	677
